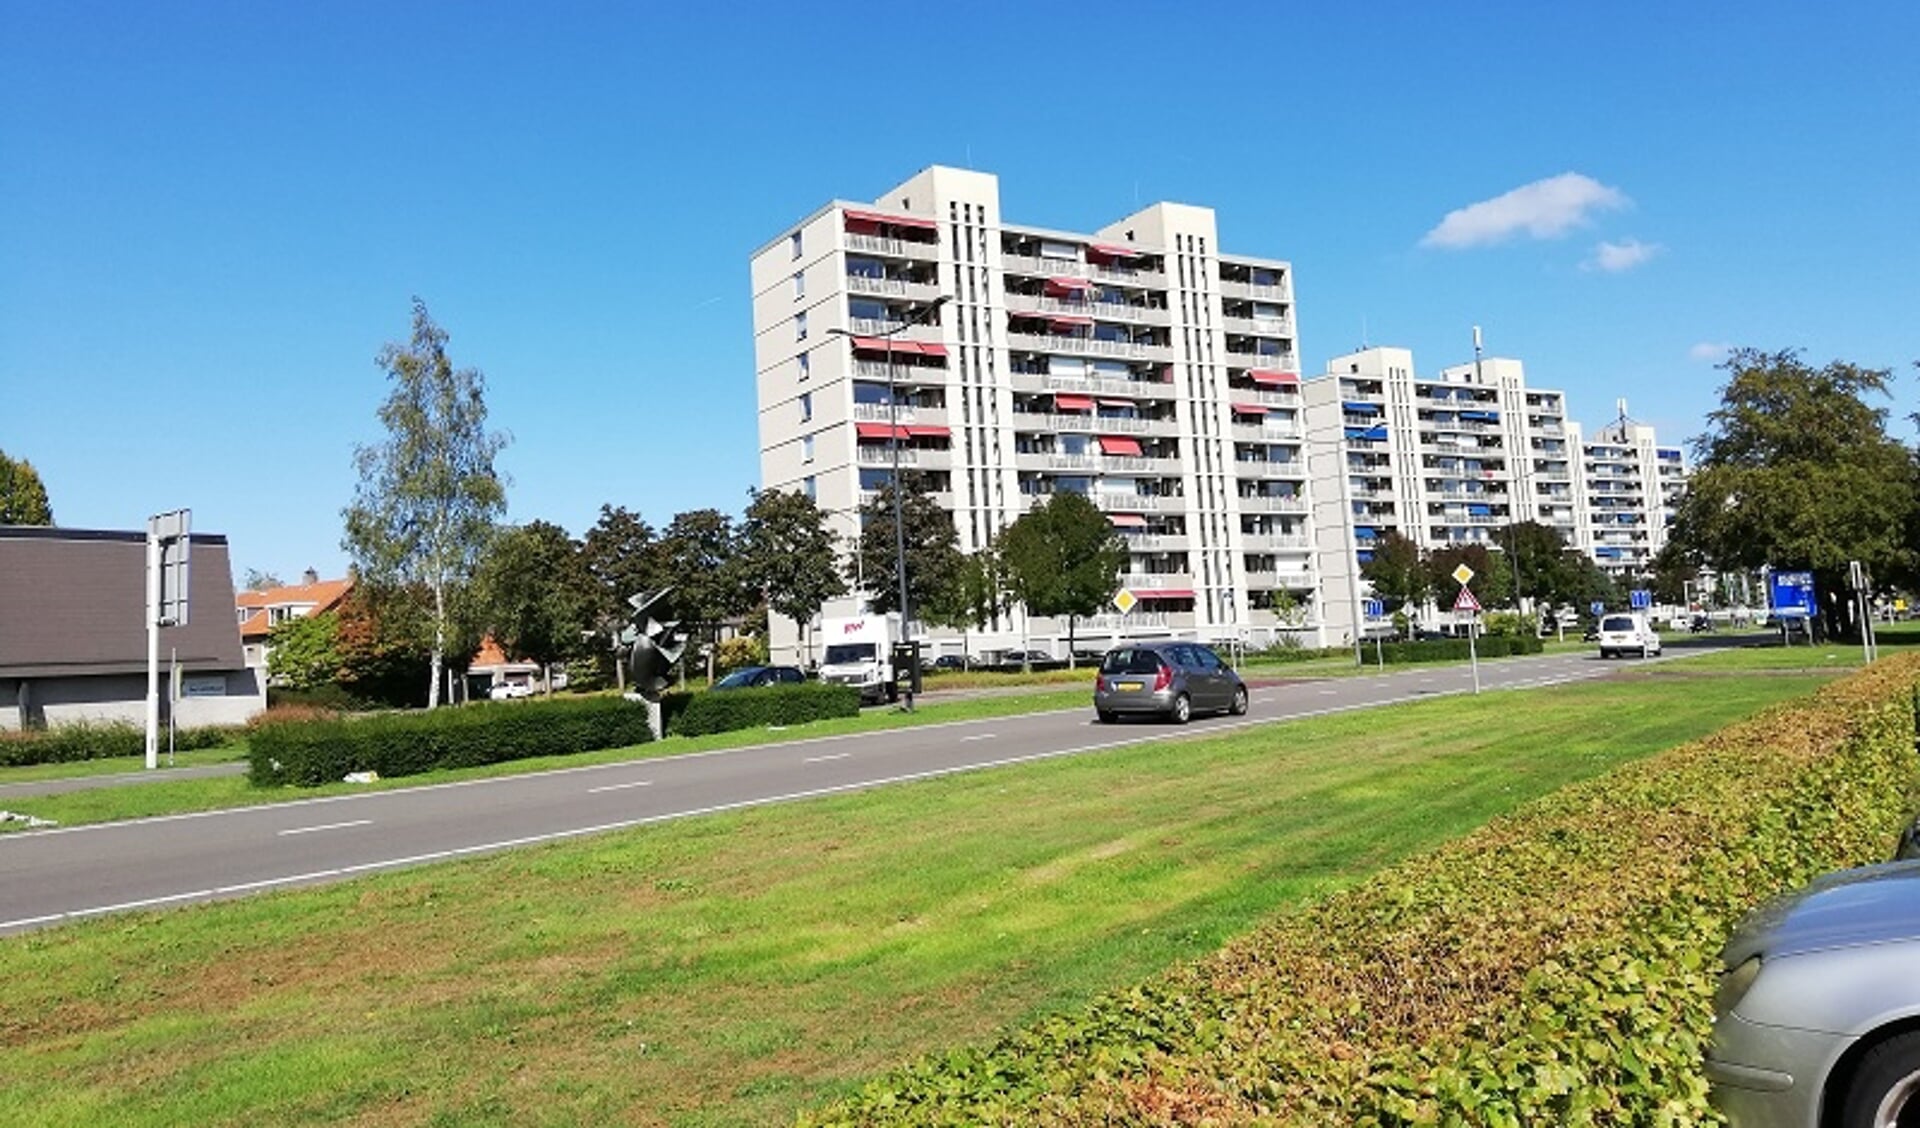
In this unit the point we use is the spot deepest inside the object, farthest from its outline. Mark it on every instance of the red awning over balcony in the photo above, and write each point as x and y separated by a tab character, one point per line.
928	348
899	348
1120	444
1072	403
1127	520
1112	251
927	431
1249	409
1069	285
881	431
1162	593
1068	320
1272	376
896	220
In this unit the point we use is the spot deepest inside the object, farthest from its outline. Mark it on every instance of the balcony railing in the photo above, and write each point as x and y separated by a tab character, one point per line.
898	248
1257	503
1155	581
902	373
1232	289
1052	343
872	455
1151	542
1258	326
1113	501
1275	542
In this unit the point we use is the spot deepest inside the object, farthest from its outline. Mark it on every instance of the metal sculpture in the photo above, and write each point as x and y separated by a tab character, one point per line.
654	643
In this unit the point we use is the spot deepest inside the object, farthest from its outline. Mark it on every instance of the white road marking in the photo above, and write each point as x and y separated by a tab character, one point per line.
979	736
1328	692
620	786
823	759
327	826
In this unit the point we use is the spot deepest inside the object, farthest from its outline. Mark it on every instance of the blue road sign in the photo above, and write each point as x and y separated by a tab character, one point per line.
1790	593
1640	599
1597	607
1375	609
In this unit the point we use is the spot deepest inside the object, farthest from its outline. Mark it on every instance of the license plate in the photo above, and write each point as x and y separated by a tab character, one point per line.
1132	686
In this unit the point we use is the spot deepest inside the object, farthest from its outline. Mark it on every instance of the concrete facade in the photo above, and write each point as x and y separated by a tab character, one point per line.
1138	364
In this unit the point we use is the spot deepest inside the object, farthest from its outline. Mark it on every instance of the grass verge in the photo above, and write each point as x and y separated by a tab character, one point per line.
738	968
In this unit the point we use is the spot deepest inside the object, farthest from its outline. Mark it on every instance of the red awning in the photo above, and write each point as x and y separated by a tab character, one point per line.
880	431
1250	409
1112	251
896	220
1120	444
1069	285
876	344
1068	319
1073	403
930	349
926	431
1162	593
1127	520
1272	376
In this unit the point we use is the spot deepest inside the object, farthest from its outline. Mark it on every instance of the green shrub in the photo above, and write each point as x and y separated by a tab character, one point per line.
320	750
66	744
1455	649
1555	967
697	714
331	697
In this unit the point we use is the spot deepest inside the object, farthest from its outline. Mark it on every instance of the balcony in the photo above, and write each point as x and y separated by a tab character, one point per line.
892	288
896	248
1256	503
1113	501
1090	424
900	413
902	373
1128	464
1264	433
1104	311
1284	361
1155	581
1093	385
1275	542
1230	289
1261	396
1088	346
1152	542
1136	620
880	454
1258	326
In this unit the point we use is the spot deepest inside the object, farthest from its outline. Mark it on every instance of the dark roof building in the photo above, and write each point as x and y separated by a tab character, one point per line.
73	638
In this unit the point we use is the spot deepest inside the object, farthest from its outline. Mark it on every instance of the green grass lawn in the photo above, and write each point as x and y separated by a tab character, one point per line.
735	968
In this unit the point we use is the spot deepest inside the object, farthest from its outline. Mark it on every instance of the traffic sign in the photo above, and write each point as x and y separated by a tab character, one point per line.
1465	600
1597	607
1125	600
1462	574
1639	599
1375	608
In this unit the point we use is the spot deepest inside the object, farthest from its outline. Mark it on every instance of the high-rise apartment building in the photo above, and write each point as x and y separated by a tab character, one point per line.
1138	364
1631	485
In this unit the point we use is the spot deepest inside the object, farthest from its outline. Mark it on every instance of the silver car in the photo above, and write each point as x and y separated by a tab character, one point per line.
1818	1014
1169	679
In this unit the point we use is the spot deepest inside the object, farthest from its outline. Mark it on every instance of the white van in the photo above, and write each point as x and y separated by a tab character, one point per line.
1624	632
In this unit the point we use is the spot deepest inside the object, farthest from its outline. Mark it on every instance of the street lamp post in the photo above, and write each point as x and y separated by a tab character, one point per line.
893	444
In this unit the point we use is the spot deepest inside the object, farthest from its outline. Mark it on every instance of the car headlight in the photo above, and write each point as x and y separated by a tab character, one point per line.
1734	985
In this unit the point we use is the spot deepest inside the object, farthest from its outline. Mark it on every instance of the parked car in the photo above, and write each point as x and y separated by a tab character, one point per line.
948	663
752	677
1170	679
1818	1014
507	691
1018	658
1628	633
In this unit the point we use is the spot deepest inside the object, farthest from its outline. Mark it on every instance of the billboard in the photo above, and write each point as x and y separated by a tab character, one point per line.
1790	593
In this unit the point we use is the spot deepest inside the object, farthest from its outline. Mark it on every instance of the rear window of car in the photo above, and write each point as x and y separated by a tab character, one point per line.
1130	660
1617	623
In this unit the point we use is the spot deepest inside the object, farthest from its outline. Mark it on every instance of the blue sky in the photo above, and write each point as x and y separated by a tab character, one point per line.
213	215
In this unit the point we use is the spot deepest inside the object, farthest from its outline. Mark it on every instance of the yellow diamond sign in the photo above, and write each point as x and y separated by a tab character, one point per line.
1125	600
1463	573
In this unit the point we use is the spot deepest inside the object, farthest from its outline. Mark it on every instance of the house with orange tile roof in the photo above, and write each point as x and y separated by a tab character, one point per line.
261	611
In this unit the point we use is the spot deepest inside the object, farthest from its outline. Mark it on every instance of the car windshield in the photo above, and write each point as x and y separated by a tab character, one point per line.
737	679
844	652
1617	623
1130	661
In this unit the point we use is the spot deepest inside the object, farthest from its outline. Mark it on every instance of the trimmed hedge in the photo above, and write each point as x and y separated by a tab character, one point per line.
316	751
66	744
1555	967
698	714
1455	649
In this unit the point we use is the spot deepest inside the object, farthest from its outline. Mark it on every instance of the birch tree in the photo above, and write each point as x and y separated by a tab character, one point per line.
428	495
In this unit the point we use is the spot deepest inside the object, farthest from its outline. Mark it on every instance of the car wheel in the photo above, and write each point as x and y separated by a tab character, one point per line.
1885	1090
1181	711
1239	706
1107	716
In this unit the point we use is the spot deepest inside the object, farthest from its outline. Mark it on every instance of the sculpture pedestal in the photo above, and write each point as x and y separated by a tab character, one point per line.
653	713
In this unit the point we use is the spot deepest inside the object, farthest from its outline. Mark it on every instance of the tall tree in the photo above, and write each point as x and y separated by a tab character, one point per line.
428	495
1492	582
789	556
535	595
1063	558
258	580
1396	572
303	652
622	557
932	547
700	558
23	496
1796	471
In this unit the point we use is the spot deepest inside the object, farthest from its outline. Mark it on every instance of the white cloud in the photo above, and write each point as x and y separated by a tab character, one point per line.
1616	257
1709	351
1545	209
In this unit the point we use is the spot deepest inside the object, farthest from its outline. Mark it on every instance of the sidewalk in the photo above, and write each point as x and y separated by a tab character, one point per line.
117	779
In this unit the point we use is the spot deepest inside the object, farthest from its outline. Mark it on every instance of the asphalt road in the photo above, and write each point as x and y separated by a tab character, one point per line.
51	876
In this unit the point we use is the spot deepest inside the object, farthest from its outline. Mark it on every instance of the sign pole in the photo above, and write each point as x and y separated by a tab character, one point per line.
1465	601
1473	649
153	649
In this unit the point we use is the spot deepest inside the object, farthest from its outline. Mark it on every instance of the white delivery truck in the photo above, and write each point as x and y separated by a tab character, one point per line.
859	652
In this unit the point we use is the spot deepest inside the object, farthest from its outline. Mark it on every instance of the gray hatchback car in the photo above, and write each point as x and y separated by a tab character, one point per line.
1817	1022
1166	678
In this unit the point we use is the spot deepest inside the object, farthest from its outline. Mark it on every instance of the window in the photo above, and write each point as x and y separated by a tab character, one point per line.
794	240
800	326
806	365
806	448
806	487
799	285
806	407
